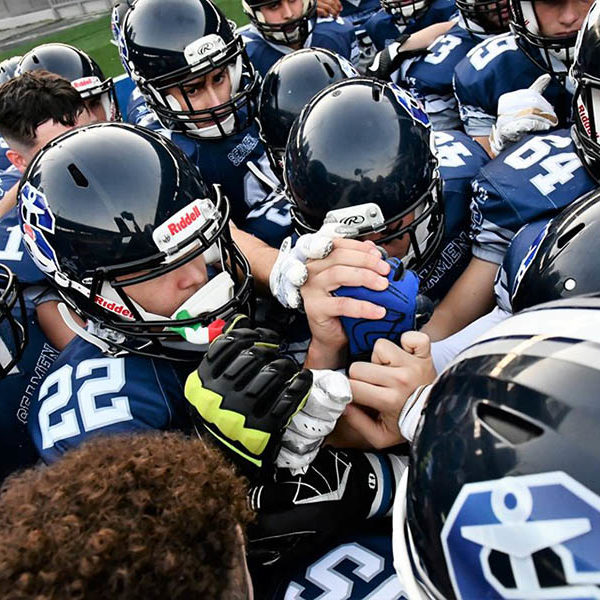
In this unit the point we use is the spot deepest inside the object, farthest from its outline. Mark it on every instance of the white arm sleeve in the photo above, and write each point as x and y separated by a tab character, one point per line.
446	350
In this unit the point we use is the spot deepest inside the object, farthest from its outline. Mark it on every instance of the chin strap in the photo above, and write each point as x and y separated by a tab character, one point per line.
80	331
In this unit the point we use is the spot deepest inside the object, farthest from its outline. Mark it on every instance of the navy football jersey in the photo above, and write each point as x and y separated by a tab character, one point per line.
4	162
460	159
329	33
495	66
429	76
13	253
519	254
358	11
87	393
255	206
356	566
18	390
383	30
536	178
9	177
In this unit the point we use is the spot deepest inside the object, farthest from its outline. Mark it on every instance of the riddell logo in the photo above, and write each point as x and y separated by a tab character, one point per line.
113	307
84	82
184	222
585	120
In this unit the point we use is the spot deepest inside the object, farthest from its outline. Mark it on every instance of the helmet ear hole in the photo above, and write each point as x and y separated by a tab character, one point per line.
507	425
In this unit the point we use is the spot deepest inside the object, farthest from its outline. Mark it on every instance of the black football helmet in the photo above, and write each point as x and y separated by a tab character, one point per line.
405	11
8	68
586	101
13	321
80	69
110	205
562	261
289	32
171	43
287	88
361	153
501	498
524	24
484	16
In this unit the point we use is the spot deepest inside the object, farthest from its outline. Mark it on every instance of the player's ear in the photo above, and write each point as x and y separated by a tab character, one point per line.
17	159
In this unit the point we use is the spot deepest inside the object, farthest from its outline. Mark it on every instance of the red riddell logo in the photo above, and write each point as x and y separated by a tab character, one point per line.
184	222
585	120
83	82
113	307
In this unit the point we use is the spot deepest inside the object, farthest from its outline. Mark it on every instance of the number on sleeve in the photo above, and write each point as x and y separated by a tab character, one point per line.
448	151
441	50
484	54
11	249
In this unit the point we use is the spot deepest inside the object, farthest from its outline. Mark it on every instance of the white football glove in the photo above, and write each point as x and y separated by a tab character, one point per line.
411	413
308	429
522	112
289	272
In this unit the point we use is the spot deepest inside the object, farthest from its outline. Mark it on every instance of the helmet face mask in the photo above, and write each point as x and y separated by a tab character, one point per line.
80	69
13	322
586	100
337	170
484	16
405	11
553	49
292	32
93	264
158	65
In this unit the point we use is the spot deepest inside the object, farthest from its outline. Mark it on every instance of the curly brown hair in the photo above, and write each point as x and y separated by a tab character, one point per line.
152	515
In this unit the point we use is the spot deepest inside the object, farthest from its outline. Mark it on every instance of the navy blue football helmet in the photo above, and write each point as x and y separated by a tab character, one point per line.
166	44
361	154
108	206
501	498
77	67
287	88
13	321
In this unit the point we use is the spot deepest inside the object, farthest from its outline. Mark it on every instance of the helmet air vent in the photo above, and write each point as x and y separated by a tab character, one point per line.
507	425
78	177
564	239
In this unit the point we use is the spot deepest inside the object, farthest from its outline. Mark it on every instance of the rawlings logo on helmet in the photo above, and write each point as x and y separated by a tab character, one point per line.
207	45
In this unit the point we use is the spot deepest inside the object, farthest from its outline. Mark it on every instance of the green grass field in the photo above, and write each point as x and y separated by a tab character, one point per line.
94	38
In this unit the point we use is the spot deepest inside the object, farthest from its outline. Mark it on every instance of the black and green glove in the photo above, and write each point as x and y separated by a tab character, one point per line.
244	395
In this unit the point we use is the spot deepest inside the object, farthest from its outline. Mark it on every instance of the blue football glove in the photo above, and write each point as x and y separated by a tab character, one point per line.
406	310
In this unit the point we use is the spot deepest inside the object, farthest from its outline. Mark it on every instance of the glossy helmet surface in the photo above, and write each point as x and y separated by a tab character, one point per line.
586	101
287	88
502	495
13	321
109	206
8	68
561	261
542	49
294	31
168	45
77	67
361	154
484	16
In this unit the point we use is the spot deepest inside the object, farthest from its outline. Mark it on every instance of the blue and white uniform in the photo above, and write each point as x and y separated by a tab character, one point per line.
383	29
4	162
356	566
497	66
19	386
460	159
536	178
330	33
87	393
9	177
429	76
255	206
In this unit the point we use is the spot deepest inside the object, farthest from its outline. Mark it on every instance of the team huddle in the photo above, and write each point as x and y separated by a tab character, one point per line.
305	309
